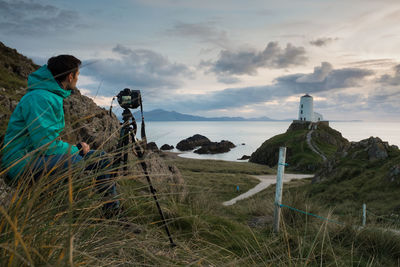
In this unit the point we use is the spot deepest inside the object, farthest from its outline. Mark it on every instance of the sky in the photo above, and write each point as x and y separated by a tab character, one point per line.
223	58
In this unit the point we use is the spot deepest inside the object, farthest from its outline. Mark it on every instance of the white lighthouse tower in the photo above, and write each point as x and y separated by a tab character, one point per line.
306	110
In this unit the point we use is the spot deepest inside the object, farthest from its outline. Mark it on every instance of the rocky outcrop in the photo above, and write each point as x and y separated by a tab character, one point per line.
166	147
215	147
376	149
368	151
14	63
244	157
152	146
192	142
165	177
87	122
299	154
14	71
206	146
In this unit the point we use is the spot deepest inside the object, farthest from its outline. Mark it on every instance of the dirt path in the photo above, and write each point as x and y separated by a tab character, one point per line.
309	142
266	180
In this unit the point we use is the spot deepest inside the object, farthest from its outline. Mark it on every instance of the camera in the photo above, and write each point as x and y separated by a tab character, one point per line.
128	98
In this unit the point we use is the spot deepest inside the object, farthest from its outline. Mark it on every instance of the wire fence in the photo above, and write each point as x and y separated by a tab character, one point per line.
383	218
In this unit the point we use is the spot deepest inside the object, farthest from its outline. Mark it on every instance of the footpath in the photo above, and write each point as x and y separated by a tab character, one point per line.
312	147
266	180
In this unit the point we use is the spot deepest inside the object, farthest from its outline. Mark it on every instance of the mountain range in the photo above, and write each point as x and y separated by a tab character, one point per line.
164	115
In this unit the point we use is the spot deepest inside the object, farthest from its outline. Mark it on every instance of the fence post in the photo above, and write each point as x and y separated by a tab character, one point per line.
364	220
279	185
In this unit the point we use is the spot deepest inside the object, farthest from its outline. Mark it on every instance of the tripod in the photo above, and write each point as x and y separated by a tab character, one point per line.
127	135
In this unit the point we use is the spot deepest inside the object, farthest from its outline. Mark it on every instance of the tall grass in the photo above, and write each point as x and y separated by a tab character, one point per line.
57	220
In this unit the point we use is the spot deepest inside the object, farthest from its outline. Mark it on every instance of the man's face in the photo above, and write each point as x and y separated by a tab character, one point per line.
72	80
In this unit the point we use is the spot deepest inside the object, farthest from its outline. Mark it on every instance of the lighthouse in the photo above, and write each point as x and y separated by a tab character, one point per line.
306	110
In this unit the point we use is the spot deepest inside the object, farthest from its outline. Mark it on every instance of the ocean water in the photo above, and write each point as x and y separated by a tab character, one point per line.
248	136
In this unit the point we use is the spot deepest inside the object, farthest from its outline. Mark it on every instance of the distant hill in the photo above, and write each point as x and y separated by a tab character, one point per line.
163	115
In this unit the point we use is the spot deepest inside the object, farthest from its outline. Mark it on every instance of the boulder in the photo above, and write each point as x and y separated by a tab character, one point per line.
166	147
192	142
244	157
87	122
215	147
152	146
166	178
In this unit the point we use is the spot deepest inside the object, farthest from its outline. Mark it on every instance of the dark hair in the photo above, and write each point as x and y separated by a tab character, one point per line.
61	66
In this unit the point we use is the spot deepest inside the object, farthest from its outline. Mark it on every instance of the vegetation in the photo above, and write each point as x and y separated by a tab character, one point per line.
357	180
58	221
299	155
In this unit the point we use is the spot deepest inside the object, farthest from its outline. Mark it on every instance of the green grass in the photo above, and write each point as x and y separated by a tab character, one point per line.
44	225
11	81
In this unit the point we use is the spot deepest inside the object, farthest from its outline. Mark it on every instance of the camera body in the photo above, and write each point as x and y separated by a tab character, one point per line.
128	98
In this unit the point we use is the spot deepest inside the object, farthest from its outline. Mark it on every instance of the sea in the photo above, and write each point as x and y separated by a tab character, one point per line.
249	135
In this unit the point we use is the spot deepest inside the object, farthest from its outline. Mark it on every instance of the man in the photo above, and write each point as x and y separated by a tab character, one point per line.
32	143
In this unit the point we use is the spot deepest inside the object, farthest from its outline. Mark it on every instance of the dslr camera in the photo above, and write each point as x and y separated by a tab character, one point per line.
128	98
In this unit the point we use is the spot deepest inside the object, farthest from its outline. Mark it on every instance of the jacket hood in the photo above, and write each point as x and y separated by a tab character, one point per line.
44	80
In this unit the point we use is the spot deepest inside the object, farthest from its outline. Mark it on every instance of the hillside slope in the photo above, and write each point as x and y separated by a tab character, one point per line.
367	172
300	156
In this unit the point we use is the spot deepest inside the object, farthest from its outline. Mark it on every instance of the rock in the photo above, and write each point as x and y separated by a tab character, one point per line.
367	150
87	122
215	147
376	149
192	142
244	157
243	144
152	146
394	175
166	147
166	178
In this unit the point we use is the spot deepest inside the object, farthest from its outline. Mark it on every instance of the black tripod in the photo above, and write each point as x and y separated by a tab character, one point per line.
127	135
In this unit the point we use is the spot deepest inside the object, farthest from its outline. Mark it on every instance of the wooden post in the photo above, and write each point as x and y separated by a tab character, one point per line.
279	186
364	220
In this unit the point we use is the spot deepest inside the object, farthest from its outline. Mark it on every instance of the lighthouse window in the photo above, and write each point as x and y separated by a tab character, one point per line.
301	105
301	112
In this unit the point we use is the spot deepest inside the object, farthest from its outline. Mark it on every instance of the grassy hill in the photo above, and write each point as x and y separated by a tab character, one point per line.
14	71
299	155
367	173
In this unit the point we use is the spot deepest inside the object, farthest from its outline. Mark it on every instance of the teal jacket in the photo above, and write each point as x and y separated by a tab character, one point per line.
35	124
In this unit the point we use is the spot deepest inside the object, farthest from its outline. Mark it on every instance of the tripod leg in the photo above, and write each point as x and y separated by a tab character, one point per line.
153	192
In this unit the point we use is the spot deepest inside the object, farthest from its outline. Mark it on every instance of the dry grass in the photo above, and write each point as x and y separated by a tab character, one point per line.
57	221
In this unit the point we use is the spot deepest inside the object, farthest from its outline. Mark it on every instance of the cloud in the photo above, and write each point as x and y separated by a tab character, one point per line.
228	79
248	61
205	32
372	63
139	68
324	41
323	79
391	79
32	18
319	74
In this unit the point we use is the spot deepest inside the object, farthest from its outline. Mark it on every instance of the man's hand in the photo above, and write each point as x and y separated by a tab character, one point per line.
85	148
